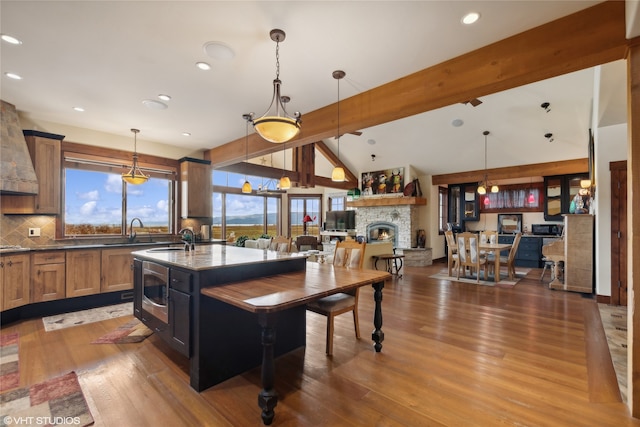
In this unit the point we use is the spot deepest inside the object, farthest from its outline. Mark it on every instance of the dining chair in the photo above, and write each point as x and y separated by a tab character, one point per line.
509	260
490	236
348	254
452	251
306	243
280	244
469	255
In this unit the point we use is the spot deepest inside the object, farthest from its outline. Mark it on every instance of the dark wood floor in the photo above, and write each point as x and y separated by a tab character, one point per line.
454	355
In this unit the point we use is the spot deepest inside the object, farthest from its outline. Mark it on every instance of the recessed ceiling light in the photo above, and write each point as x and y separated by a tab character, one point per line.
78	109
218	50
470	18
456	123
371	141
164	97
13	76
186	133
154	105
10	39
203	66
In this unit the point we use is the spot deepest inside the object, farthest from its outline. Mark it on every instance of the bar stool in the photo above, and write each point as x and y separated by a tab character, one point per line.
547	264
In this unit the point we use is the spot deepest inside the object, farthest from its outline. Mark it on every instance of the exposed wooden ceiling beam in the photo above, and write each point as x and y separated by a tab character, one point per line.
584	39
335	161
512	172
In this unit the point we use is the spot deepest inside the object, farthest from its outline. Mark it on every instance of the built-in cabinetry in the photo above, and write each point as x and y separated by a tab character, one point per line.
83	272
117	270
14	280
578	254
180	287
559	191
48	276
463	204
44	149
196	188
529	253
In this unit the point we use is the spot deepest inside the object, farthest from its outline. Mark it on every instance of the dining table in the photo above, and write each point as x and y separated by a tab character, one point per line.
495	249
271	296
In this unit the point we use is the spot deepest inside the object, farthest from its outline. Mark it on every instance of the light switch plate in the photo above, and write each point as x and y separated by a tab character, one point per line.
34	232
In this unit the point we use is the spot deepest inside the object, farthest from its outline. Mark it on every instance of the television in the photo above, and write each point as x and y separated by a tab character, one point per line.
340	220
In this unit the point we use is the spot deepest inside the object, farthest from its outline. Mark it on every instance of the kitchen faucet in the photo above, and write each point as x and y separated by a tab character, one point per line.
190	243
132	233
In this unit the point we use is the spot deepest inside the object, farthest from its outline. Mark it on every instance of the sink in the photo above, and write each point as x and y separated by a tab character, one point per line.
169	249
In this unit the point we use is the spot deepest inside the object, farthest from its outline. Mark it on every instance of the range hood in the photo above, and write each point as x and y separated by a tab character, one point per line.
17	175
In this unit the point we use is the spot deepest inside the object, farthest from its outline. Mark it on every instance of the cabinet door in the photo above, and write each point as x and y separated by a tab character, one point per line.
179	320
47	279
196	189
454	205
471	203
47	167
117	270
15	281
83	273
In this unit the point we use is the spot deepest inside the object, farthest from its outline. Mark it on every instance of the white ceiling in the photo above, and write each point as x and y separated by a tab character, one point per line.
108	56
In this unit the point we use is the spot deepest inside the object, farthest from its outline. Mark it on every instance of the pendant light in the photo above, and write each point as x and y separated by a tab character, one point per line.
285	182
484	185
135	175
246	187
531	199
337	175
277	126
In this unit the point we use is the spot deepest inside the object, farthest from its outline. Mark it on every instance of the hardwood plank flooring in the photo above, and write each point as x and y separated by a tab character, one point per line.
454	354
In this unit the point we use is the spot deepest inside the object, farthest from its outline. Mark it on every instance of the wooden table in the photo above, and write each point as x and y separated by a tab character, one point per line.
268	296
391	261
495	249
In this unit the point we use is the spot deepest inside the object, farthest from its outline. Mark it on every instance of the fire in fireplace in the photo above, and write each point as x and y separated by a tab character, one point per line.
382	232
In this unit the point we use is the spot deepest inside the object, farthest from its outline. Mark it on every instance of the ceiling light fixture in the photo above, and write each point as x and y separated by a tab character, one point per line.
277	126
164	97
246	187
549	136
13	76
483	185
135	175
154	105
546	106
203	66
531	199
337	175
10	39
285	182
79	109
470	18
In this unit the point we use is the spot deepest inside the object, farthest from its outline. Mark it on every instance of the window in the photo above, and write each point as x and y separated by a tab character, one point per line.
301	206
251	215
337	203
443	209
98	203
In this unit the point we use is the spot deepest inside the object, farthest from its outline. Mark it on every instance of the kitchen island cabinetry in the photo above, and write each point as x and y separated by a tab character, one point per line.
48	276
14	280
83	272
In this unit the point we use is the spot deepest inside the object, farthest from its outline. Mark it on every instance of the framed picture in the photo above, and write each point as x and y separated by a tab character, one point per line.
387	181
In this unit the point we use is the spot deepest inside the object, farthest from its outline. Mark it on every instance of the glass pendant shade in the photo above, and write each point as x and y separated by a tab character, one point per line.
135	175
276	125
494	188
532	199
246	187
285	183
486	201
337	175
482	189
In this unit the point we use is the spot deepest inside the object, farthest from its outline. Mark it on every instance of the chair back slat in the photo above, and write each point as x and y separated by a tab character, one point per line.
349	253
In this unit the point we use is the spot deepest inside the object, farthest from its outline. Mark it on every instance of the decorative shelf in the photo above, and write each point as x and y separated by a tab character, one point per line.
386	201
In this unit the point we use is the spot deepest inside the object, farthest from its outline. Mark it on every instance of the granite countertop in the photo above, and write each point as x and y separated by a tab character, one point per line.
207	257
7	249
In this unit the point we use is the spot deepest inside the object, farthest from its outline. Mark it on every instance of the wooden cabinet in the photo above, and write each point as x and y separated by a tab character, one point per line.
117	270
14	280
463	204
196	188
48	276
559	191
529	253
83	272
180	288
578	253
44	149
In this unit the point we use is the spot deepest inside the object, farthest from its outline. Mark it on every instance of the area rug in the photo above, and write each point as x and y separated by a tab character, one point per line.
9	367
131	332
58	401
614	323
503	283
61	321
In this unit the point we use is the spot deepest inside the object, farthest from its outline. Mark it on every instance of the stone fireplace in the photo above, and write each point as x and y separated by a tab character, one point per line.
401	221
382	231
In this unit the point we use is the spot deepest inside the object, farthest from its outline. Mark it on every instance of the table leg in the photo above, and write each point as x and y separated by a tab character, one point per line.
377	336
268	398
496	275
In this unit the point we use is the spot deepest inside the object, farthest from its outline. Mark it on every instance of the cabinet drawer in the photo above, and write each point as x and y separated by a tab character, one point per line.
507	239
57	257
529	255
529	244
180	280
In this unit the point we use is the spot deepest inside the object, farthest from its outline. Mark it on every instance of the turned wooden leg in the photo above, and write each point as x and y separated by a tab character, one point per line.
268	398
377	336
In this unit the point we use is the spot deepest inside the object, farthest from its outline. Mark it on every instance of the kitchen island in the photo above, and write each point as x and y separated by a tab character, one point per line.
225	303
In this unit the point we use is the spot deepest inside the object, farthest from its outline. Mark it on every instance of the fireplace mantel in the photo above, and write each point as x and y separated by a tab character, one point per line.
386	201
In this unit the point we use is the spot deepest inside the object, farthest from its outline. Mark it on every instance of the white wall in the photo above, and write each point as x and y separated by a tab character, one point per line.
610	146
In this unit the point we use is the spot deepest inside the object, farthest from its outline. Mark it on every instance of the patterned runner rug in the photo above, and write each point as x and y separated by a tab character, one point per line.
9	367
58	401
65	320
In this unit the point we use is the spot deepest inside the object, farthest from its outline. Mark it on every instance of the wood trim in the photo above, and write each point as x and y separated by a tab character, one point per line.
590	37
565	167
386	201
111	154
